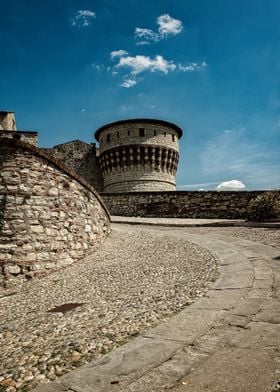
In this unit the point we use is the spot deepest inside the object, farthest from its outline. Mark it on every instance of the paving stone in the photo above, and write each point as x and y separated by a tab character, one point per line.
232	370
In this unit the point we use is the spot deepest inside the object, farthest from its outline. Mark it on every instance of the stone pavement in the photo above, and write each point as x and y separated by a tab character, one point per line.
227	341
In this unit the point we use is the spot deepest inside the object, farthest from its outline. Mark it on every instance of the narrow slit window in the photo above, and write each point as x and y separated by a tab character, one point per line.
118	134
173	138
141	132
108	138
155	133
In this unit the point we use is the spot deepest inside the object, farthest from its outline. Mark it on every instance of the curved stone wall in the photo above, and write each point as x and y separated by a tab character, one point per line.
139	155
52	217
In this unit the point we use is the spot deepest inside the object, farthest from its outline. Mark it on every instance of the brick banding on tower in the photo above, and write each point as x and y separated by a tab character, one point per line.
139	155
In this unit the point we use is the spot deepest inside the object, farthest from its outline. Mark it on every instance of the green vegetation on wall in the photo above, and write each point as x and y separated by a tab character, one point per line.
265	207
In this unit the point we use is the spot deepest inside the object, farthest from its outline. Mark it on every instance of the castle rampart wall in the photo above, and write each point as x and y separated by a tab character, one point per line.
181	204
51	216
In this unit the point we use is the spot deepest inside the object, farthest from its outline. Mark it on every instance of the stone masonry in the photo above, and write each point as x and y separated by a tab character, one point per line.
82	158
139	155
52	216
183	204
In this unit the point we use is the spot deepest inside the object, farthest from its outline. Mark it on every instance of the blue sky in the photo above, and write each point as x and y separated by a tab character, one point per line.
210	66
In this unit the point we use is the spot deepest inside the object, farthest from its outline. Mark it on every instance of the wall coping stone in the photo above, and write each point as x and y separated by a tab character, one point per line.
59	164
180	193
18	131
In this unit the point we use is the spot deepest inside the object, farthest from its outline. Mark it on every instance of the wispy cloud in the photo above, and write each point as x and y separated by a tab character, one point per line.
198	185
232	154
118	53
128	82
167	26
145	35
98	67
83	18
192	66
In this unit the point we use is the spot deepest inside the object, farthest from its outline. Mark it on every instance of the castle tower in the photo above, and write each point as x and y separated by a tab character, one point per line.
139	155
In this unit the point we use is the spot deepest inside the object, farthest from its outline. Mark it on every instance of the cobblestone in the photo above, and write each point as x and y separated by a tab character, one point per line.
133	282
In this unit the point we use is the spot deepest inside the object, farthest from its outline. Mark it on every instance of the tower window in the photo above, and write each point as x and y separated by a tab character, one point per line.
155	133
164	134
108	137
173	138
118	134
128	132
141	132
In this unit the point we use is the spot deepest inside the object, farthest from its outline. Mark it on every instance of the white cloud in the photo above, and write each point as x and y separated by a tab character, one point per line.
118	53
139	64
127	83
169	25
232	185
192	67
145	35
83	18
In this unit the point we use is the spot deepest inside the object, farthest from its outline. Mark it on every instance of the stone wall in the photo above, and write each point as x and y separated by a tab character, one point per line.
144	179
52	217
82	158
24	136
181	204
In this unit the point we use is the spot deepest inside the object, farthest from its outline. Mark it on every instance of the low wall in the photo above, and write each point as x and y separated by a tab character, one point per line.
51	216
181	204
24	136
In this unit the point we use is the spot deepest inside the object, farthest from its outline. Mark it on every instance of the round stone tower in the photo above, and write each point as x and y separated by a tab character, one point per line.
139	155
